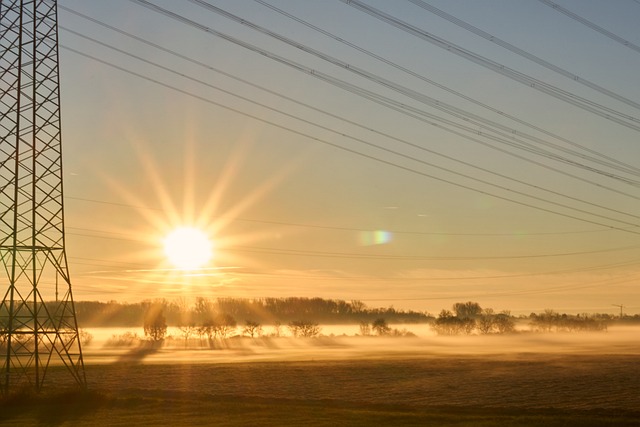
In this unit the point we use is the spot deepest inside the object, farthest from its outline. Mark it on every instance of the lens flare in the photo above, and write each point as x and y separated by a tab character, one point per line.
377	237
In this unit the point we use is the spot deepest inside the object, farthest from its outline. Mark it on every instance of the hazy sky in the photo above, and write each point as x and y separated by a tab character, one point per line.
399	171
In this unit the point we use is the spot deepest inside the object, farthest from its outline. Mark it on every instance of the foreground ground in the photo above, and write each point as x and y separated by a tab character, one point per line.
338	383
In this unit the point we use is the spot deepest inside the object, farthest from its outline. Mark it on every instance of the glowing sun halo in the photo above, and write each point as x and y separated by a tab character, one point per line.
188	248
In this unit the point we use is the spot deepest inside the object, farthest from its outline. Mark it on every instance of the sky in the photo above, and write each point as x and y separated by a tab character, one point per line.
329	153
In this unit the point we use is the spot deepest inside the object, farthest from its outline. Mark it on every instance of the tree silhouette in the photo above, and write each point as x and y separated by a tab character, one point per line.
486	322
225	325
504	323
155	324
467	310
277	328
365	329
187	331
252	329
380	327
302	328
209	330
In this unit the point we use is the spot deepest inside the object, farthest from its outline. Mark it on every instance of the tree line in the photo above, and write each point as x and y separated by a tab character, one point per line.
553	321
219	317
261	310
470	317
222	326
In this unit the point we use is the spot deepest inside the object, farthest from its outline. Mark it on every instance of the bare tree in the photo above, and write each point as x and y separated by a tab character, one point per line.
209	330
155	324
277	328
225	324
380	327
365	329
203	309
187	331
358	306
252	329
304	329
85	337
485	323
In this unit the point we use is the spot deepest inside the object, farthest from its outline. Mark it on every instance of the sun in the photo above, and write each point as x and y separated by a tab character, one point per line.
188	248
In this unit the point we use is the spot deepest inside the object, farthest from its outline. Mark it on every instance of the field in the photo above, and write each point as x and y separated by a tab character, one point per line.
557	380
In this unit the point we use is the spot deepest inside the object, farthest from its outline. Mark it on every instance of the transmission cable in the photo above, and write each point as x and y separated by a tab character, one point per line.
599	283
392	151
526	195
456	112
399	154
462	24
625	167
591	25
346	149
578	101
322	254
336	228
361	92
448	278
346	86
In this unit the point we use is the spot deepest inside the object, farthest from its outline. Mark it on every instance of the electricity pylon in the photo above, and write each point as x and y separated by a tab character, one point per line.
621	307
37	329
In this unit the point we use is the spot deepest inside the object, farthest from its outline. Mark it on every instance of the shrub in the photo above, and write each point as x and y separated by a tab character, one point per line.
128	339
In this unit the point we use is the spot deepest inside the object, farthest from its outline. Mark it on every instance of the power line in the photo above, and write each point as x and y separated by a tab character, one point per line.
293	252
381	100
351	229
238	271
386	150
554	289
578	101
364	142
434	103
345	86
129	239
625	166
591	25
323	254
317	74
328	129
462	24
443	278
376	158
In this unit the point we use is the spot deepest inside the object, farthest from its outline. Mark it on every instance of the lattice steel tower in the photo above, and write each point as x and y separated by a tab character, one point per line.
38	326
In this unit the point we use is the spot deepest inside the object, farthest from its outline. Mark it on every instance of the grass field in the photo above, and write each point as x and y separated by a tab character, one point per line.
577	385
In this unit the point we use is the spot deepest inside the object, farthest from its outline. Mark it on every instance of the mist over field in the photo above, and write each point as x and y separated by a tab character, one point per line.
520	379
340	376
341	342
